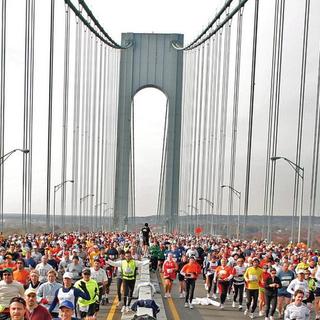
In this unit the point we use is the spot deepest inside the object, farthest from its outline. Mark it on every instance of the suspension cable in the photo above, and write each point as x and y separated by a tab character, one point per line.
212	33
251	109
91	28
301	104
2	98
235	110
65	114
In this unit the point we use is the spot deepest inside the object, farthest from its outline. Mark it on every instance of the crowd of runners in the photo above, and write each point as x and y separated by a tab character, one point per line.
69	275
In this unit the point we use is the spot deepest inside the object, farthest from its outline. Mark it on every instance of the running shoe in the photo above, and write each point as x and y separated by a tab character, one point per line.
186	305
233	304
190	306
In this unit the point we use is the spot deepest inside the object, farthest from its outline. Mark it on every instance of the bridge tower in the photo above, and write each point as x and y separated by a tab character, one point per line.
151	61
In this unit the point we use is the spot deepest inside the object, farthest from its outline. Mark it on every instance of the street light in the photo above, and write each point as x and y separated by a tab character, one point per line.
81	200
211	204
55	189
7	155
300	171
238	194
2	160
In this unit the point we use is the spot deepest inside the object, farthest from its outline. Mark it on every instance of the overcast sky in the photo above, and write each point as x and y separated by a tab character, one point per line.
189	18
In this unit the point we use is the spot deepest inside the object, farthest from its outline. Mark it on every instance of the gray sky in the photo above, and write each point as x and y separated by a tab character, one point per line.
189	18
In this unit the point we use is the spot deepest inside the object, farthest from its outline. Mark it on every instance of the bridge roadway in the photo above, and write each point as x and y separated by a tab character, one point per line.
174	307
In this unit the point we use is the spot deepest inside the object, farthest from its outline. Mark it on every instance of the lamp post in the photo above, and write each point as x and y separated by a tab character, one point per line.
300	171
238	194
81	200
2	160
8	154
55	189
196	210
211	204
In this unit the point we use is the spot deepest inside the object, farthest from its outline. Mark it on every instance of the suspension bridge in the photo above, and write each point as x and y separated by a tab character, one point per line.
241	134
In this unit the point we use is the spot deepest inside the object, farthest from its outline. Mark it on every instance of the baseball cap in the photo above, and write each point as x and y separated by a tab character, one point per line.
67	275
30	290
66	304
86	271
9	270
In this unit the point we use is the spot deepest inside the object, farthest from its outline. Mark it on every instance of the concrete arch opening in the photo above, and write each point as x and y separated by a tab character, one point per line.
149	110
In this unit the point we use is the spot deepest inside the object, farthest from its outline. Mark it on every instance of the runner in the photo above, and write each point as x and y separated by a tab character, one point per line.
238	282
190	271
272	284
170	269
297	309
222	277
252	277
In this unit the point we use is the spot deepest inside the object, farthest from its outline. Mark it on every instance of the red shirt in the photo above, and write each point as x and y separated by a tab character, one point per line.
39	313
170	269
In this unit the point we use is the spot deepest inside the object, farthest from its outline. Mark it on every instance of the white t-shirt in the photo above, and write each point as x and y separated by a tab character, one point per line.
301	312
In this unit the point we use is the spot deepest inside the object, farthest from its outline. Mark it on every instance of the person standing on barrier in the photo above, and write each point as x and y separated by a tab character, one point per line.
252	277
190	272
128	268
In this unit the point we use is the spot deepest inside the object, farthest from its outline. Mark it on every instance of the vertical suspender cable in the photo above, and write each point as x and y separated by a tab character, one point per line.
315	164
133	162
216	124
93	137
83	120
25	117
99	119
301	108
30	125
103	133
234	132
198	133
266	219
65	114
162	165
213	111
87	129
49	138
76	121
251	107
2	98
223	119
275	122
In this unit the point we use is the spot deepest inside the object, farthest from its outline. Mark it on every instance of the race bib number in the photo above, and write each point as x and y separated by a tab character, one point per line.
285	283
253	277
128	270
169	270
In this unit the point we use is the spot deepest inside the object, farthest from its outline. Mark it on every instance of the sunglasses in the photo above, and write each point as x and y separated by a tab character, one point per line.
7	274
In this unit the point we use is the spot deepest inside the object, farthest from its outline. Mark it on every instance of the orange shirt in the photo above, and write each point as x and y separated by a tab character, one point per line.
191	268
224	272
21	276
